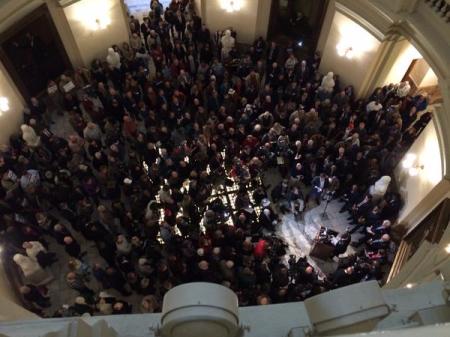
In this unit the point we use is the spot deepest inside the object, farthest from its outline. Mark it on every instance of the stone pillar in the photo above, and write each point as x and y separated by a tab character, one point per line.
63	28
92	41
385	59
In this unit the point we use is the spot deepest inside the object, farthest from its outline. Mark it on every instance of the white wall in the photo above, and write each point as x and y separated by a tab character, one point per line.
416	189
10	12
406	54
65	33
344	30
262	22
9	120
243	21
10	310
95	43
429	80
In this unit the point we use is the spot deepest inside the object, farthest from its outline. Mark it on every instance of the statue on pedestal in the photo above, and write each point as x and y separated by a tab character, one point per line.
228	43
378	190
113	59
29	135
328	82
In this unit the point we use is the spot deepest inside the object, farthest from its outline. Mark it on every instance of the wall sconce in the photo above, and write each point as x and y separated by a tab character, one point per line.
94	15
101	23
345	50
410	164
447	248
231	5
4	105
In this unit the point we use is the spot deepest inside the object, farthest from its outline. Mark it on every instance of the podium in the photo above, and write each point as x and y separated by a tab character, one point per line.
323	248
323	251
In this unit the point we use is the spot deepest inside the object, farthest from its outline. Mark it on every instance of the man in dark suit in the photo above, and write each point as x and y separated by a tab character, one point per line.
350	198
319	184
33	295
361	209
272	53
342	243
267	220
343	277
304	72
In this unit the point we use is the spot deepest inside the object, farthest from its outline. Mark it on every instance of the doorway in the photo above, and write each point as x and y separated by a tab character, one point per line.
33	53
298	22
140	8
422	79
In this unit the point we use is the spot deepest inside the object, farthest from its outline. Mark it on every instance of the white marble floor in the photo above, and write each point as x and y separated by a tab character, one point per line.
299	234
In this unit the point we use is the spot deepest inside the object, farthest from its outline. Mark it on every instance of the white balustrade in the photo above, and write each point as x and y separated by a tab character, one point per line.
441	7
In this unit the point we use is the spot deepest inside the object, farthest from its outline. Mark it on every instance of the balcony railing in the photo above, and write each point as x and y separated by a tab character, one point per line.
441	7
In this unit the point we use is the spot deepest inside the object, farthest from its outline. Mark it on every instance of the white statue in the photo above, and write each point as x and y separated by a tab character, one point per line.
113	58
29	135
380	187
227	44
403	89
328	82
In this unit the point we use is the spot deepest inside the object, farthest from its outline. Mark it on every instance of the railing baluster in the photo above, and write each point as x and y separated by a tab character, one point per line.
441	7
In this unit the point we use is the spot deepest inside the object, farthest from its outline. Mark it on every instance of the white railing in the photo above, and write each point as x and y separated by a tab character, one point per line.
441	7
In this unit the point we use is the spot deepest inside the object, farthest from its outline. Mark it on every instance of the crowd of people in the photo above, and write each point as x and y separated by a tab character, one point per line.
162	125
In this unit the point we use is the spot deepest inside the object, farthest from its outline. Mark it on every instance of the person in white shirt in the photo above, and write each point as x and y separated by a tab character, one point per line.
32	271
374	106
30	180
403	89
36	251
